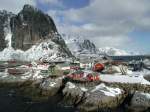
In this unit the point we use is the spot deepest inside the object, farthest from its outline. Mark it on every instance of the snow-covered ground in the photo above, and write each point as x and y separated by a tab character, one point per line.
124	79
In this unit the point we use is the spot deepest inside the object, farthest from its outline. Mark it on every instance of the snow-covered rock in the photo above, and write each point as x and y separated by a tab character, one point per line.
102	97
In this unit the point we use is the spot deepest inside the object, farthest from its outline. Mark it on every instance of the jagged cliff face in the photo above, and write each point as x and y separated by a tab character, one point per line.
31	27
4	24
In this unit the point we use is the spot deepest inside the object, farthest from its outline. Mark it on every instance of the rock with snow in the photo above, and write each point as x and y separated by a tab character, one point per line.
102	97
140	101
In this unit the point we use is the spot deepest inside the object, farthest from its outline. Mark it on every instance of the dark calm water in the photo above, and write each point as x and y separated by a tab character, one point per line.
10	101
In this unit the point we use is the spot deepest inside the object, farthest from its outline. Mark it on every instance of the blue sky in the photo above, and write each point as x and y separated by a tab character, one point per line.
122	24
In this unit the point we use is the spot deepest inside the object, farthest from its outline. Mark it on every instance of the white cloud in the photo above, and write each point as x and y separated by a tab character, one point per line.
106	22
14	5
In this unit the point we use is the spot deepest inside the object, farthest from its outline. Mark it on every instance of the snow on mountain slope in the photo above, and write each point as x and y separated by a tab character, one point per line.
45	50
72	42
113	51
80	46
83	47
24	38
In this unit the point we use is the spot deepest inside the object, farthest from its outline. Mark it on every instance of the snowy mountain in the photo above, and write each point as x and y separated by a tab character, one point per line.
30	35
112	51
80	46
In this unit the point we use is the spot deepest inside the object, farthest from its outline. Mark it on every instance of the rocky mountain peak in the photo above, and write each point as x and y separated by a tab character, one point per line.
88	45
30	26
28	29
28	7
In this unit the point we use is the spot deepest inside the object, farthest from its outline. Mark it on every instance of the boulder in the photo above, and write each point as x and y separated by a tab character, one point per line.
140	102
102	97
